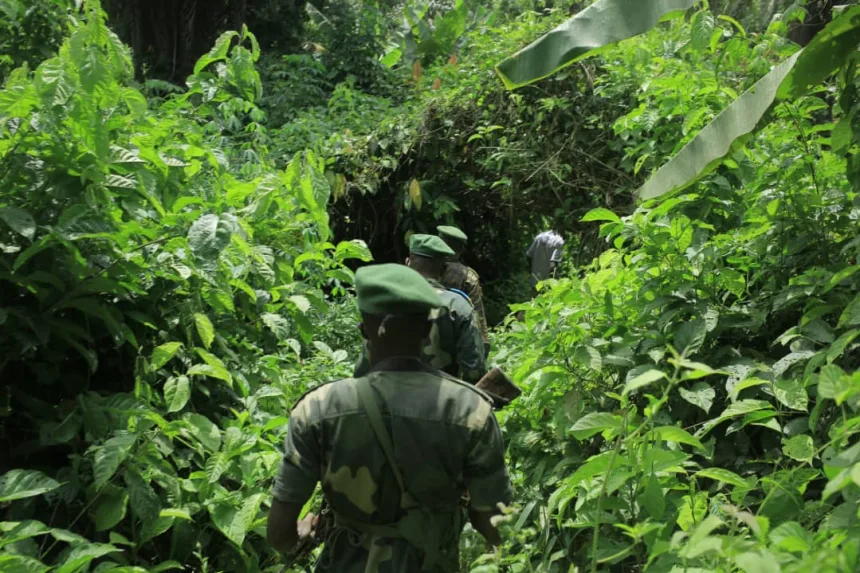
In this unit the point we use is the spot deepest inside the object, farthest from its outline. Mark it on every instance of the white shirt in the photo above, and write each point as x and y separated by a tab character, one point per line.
544	250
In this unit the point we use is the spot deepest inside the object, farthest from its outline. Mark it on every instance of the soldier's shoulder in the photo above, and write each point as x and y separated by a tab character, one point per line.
464	388
456	301
320	393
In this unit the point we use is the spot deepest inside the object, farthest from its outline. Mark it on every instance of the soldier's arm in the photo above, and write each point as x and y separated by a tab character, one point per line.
486	477
470	347
282	527
297	477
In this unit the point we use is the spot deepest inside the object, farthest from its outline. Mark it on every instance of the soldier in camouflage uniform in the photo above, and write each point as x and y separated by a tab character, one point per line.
395	450
462	278
454	344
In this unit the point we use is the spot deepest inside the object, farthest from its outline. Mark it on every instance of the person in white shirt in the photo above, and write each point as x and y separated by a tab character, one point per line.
545	255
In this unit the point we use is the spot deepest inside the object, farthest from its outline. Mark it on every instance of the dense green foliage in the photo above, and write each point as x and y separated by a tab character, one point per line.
173	275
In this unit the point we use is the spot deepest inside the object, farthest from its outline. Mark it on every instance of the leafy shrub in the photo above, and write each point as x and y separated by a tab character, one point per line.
691	395
160	279
30	32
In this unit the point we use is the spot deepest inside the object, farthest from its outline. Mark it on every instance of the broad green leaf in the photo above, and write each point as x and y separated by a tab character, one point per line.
205	431
302	303
644	379
833	382
791	393
799	448
840	344
676	434
209	235
700	395
109	456
790	536
218	52
177	392
19	221
588	356
13	563
851	315
594	423
279	325
20	484
826	53
109	508
690	336
144	502
588	33
175	513
204	329
216	465
162	354
742	407
217	369
355	249
744	384
702	28
652	498
600	214
723	475
594	466
415	194
761	561
14	531
83	554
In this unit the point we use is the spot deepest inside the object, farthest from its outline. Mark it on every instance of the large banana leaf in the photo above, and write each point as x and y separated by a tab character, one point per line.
826	53
596	28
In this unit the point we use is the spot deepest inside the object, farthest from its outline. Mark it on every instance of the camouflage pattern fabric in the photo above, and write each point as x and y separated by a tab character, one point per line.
445	440
454	344
466	279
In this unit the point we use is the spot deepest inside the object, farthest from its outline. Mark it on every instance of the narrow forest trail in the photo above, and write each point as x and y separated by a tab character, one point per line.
177	268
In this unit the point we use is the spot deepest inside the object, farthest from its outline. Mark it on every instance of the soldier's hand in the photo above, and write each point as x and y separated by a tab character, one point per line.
306	528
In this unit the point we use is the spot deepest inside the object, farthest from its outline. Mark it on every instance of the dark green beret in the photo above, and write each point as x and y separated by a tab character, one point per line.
451	233
429	246
394	289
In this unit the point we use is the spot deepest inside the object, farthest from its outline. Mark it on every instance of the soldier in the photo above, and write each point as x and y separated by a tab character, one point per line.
454	344
544	256
395	450
462	278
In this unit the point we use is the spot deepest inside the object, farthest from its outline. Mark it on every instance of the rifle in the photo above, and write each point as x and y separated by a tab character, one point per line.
499	387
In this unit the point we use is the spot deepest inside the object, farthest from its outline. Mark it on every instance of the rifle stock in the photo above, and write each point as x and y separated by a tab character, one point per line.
500	388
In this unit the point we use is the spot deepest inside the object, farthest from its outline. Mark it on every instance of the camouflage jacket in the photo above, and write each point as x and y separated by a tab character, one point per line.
466	279
454	345
445	441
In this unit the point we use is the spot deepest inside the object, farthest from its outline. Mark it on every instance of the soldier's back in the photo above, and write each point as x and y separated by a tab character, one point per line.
434	423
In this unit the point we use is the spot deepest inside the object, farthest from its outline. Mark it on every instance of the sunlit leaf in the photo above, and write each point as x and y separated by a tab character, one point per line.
595	28
204	329
20	484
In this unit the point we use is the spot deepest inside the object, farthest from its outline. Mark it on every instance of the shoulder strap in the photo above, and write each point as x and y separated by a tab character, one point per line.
461	293
374	416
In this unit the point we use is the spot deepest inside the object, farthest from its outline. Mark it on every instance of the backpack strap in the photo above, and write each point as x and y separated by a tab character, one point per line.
461	293
377	424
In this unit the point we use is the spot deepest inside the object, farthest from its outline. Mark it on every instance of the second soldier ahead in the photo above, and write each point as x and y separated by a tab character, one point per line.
454	345
463	278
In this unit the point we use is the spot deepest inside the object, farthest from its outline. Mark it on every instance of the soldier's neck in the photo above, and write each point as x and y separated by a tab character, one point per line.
387	354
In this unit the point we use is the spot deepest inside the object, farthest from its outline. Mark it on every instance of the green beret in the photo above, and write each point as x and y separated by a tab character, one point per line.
394	289
429	246
451	233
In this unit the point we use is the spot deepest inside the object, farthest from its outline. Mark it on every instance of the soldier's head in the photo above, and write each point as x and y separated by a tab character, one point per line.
454	238
395	304
428	255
